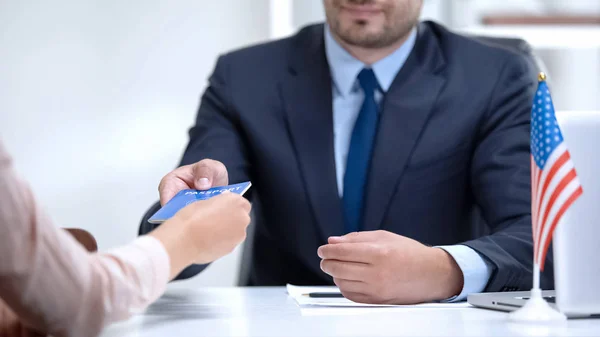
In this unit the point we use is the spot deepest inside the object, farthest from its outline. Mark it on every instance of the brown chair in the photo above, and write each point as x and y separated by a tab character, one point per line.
86	239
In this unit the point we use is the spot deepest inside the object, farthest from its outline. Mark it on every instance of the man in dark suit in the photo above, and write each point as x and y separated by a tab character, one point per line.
370	141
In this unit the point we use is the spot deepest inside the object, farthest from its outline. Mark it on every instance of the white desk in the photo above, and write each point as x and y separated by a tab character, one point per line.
270	312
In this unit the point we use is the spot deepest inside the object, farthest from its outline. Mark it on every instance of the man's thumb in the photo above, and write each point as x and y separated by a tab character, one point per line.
209	173
202	184
355	237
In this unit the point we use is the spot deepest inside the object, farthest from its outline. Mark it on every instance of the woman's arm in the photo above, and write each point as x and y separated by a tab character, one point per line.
54	285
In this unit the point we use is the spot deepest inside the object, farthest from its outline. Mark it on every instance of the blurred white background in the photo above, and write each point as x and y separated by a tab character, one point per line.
96	97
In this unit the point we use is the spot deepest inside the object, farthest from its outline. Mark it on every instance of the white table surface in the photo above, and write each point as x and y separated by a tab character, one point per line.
268	311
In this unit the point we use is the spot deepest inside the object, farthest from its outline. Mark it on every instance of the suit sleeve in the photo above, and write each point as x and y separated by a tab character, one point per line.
217	135
501	182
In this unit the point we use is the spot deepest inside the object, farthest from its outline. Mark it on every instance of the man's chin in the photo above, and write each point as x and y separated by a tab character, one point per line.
362	39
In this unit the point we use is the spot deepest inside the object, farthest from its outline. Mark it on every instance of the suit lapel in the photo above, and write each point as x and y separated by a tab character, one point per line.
406	109
307	95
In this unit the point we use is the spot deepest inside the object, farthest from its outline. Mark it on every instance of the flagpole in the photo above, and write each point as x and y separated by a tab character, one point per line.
536	275
536	309
536	290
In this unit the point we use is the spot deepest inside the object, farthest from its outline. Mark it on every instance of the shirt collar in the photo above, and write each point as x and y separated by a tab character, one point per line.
345	68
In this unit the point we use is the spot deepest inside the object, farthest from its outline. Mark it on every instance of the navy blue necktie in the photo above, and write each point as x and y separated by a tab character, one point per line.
359	154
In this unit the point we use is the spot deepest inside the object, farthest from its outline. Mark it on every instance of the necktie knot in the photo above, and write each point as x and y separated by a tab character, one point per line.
368	81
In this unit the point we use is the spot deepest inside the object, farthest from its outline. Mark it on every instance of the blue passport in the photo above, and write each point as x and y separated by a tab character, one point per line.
186	197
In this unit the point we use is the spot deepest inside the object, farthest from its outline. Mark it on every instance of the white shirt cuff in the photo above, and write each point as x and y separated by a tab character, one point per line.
476	270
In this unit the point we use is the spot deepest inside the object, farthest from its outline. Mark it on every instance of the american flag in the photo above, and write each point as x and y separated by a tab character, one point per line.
554	182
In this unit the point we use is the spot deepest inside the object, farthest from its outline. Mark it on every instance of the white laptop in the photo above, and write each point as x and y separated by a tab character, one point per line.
576	241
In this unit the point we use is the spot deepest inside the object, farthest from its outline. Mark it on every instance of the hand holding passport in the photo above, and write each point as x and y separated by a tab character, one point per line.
188	196
200	232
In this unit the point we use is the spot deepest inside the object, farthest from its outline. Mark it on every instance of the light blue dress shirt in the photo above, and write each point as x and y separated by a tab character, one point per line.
347	100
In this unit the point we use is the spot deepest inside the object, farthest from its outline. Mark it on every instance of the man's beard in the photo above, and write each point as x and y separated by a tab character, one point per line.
357	34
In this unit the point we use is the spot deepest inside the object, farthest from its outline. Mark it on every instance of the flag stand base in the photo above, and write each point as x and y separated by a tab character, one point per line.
537	310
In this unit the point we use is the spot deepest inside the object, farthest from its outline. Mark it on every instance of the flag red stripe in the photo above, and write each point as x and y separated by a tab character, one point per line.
555	167
557	191
538	176
576	194
560	161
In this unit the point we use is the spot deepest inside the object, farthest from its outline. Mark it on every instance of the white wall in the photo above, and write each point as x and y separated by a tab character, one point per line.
96	97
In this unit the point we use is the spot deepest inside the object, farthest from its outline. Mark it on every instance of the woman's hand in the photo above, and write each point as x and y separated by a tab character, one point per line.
204	230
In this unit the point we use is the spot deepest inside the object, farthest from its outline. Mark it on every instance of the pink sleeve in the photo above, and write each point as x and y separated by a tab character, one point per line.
53	284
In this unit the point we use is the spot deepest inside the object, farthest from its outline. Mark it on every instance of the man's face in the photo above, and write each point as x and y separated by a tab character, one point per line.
372	23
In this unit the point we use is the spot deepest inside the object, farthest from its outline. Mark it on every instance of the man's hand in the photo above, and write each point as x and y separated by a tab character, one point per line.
385	268
202	175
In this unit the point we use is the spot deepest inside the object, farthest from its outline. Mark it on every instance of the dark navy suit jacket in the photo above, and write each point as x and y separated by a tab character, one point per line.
453	141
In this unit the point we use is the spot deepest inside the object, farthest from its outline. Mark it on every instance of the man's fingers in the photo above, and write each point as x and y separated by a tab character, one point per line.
357	297
177	180
351	286
353	252
202	175
209	173
345	270
335	239
170	188
368	236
